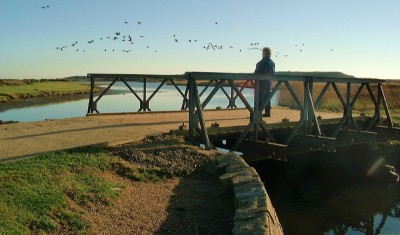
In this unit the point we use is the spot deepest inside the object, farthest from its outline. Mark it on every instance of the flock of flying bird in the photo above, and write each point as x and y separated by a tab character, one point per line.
128	39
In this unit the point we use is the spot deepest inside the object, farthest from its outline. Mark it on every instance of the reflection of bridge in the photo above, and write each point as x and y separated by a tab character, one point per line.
307	132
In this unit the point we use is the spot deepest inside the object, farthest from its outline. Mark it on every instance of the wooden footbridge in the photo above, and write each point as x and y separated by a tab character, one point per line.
276	140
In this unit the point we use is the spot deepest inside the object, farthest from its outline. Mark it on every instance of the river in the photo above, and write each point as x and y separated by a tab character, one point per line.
120	99
332	194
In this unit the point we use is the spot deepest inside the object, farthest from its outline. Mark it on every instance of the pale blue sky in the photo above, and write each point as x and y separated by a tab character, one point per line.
364	36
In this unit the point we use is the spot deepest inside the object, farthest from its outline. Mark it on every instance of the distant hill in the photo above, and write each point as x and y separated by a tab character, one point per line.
315	74
77	78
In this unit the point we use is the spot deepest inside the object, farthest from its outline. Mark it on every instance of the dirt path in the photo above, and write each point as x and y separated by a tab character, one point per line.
29	138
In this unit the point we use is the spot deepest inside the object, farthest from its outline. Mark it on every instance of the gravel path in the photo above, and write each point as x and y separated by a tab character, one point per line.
28	138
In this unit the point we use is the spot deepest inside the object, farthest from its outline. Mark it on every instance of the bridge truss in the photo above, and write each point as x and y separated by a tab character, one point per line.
307	130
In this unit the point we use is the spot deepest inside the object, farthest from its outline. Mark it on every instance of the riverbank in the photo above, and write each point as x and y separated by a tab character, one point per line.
11	90
157	185
28	138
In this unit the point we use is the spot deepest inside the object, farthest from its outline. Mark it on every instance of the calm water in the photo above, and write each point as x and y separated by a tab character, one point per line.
321	194
167	99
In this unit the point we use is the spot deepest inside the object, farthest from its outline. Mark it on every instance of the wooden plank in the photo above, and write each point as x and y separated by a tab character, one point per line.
314	143
261	150
387	133
351	137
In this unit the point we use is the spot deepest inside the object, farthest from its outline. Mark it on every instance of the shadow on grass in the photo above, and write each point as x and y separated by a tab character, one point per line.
200	205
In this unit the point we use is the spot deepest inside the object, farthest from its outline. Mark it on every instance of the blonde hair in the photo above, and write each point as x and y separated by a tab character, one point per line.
267	51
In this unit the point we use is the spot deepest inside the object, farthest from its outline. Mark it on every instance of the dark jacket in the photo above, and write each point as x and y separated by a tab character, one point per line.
265	67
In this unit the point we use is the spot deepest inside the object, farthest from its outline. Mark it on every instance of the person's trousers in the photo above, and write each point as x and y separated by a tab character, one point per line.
262	96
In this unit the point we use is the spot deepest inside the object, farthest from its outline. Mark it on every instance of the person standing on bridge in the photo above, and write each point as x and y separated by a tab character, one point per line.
265	67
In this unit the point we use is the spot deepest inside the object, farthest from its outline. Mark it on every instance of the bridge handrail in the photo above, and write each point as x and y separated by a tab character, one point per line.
252	76
135	77
234	76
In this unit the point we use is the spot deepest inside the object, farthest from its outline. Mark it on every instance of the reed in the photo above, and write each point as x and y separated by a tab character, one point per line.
330	100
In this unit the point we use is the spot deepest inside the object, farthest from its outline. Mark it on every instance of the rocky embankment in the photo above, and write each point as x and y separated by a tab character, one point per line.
254	213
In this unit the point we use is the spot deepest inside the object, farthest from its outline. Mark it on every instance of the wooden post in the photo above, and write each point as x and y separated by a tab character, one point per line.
90	105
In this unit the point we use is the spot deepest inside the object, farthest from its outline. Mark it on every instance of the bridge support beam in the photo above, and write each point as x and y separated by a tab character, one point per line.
255	114
196	116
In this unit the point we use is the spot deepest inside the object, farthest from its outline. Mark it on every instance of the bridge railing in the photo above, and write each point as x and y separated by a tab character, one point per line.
307	126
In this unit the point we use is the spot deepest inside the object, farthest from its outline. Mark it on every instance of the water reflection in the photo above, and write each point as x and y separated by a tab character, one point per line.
121	100
332	197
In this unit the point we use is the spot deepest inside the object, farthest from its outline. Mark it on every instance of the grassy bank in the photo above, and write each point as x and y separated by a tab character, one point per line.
36	194
53	192
331	102
47	193
14	89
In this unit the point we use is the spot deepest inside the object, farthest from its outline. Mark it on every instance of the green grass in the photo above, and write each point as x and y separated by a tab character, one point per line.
34	193
139	173
44	88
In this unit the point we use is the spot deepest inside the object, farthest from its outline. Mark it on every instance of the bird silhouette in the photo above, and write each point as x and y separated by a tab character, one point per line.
126	22
139	23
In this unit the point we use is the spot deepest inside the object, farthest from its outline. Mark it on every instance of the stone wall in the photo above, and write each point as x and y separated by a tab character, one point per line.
254	211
